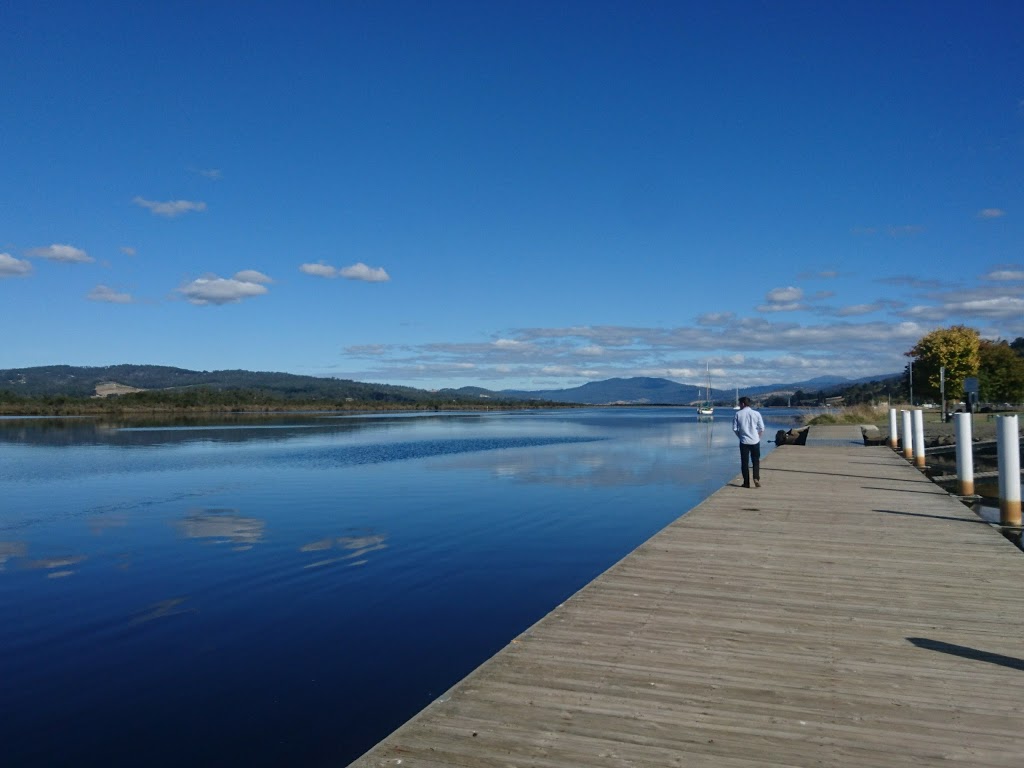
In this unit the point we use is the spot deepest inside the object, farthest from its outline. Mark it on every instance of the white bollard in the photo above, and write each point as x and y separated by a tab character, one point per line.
893	435
908	443
1008	446
919	438
964	453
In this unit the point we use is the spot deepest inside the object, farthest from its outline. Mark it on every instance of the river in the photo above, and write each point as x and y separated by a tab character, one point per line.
288	589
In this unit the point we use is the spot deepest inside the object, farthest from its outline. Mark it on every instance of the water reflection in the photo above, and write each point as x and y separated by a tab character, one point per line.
158	431
104	523
666	451
58	567
10	550
355	549
224	526
162	610
470	529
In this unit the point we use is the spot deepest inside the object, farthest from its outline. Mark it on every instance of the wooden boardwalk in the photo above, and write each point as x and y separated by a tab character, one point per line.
847	613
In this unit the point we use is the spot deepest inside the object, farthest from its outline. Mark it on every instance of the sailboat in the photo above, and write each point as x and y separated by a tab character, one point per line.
706	408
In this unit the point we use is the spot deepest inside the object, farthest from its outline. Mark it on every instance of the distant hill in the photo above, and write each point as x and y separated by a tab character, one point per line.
638	390
81	381
819	383
642	390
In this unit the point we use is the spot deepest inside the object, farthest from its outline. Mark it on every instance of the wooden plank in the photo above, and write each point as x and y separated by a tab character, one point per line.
847	613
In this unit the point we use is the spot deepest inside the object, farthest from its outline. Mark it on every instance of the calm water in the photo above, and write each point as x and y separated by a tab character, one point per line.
288	590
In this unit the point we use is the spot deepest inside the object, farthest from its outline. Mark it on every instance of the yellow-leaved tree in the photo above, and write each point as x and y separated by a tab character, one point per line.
956	349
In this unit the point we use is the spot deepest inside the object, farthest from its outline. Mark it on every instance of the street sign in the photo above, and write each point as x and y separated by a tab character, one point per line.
971	384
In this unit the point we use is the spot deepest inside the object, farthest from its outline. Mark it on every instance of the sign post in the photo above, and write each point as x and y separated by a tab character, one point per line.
971	390
942	389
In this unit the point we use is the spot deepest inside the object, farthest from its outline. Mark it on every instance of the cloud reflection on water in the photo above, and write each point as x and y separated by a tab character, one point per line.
10	550
162	609
224	526
353	546
51	564
672	453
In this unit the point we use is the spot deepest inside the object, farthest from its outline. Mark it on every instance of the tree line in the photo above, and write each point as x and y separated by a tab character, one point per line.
957	353
998	365
200	399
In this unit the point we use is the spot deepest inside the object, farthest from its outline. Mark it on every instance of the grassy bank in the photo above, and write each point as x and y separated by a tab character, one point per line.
983	425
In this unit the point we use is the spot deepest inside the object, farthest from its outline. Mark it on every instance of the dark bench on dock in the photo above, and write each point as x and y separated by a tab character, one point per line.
792	437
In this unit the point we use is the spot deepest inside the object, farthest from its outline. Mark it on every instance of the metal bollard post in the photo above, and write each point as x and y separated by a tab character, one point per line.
908	443
919	438
1008	446
893	436
964	453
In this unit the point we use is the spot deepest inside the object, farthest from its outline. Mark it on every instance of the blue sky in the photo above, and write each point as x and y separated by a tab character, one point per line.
509	194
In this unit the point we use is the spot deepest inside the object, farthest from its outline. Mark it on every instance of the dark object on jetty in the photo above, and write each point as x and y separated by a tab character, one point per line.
872	435
792	437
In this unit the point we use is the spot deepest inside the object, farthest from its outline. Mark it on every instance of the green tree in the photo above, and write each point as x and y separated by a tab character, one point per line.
1001	374
955	349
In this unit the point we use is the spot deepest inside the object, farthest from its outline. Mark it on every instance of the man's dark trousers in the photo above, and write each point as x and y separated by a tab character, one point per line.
750	454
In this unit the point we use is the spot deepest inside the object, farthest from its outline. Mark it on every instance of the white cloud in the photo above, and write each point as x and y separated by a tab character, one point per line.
925	312
12	267
252	276
127	250
109	295
170	208
559	356
1000	306
65	253
1006	274
991	213
510	344
715	318
1001	300
357	271
880	305
785	295
218	290
320	270
783	300
360	271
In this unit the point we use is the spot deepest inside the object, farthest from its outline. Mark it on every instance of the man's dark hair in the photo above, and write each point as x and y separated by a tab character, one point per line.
744	401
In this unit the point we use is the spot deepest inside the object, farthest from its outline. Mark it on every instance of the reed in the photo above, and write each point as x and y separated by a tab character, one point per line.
853	414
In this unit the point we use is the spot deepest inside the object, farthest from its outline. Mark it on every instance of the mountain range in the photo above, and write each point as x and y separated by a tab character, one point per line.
642	390
88	381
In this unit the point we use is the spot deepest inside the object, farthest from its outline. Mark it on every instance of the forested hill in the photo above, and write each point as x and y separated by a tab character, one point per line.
152	385
637	390
78	381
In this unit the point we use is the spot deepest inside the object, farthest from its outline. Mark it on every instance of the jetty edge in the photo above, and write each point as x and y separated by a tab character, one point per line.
849	612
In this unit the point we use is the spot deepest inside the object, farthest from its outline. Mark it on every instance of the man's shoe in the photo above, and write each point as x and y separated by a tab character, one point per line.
745	485
757	483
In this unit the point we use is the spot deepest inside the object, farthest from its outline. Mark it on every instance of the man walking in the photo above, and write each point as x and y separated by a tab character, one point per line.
749	426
